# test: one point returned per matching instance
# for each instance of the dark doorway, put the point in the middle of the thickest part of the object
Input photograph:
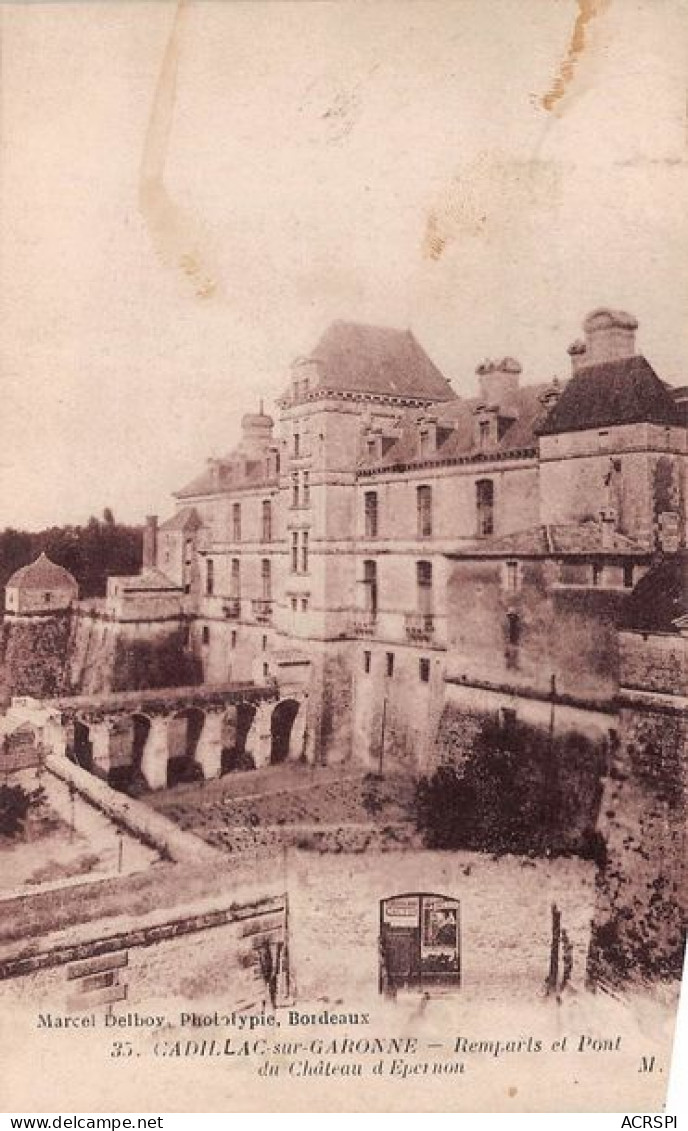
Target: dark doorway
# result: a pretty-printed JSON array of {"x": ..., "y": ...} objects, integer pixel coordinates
[
  {"x": 280, "y": 729},
  {"x": 129, "y": 779},
  {"x": 236, "y": 727},
  {"x": 184, "y": 733},
  {"x": 83, "y": 747},
  {"x": 142, "y": 725}
]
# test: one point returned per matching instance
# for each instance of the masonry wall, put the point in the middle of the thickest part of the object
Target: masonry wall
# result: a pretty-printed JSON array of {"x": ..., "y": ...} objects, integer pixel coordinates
[
  {"x": 34, "y": 656},
  {"x": 219, "y": 953},
  {"x": 642, "y": 897},
  {"x": 647, "y": 466},
  {"x": 568, "y": 632},
  {"x": 395, "y": 717}
]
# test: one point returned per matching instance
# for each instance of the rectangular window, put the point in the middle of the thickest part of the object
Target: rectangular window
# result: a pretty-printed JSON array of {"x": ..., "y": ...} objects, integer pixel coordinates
[
  {"x": 210, "y": 577},
  {"x": 205, "y": 634},
  {"x": 265, "y": 643},
  {"x": 266, "y": 671},
  {"x": 511, "y": 570},
  {"x": 424, "y": 511},
  {"x": 370, "y": 587},
  {"x": 424, "y": 443},
  {"x": 266, "y": 579},
  {"x": 235, "y": 579},
  {"x": 628, "y": 575},
  {"x": 294, "y": 604},
  {"x": 424, "y": 587},
  {"x": 233, "y": 641},
  {"x": 295, "y": 489},
  {"x": 304, "y": 552},
  {"x": 294, "y": 551},
  {"x": 236, "y": 522},
  {"x": 424, "y": 670},
  {"x": 267, "y": 521},
  {"x": 306, "y": 489},
  {"x": 389, "y": 664},
  {"x": 370, "y": 513},
  {"x": 597, "y": 574},
  {"x": 297, "y": 445},
  {"x": 366, "y": 662},
  {"x": 483, "y": 434},
  {"x": 484, "y": 493},
  {"x": 304, "y": 604}
]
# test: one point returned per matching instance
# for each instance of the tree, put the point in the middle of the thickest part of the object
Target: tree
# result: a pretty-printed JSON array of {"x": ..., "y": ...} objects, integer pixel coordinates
[
  {"x": 520, "y": 790},
  {"x": 15, "y": 805}
]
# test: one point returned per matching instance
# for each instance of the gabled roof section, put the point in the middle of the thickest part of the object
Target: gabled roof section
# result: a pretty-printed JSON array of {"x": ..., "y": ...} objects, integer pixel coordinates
[
  {"x": 186, "y": 519},
  {"x": 149, "y": 579},
  {"x": 357, "y": 358},
  {"x": 457, "y": 434},
  {"x": 559, "y": 540},
  {"x": 626, "y": 391}
]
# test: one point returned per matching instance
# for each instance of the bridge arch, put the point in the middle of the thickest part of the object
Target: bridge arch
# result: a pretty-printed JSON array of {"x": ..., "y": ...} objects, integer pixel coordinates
[
  {"x": 282, "y": 731},
  {"x": 237, "y": 723},
  {"x": 141, "y": 727},
  {"x": 184, "y": 730}
]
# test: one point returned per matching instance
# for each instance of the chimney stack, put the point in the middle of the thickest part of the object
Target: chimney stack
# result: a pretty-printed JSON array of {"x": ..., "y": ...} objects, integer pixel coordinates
[
  {"x": 256, "y": 433},
  {"x": 577, "y": 353},
  {"x": 498, "y": 380},
  {"x": 150, "y": 541},
  {"x": 609, "y": 336}
]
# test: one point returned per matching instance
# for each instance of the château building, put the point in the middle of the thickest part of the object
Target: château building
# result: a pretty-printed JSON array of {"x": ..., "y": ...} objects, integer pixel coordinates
[{"x": 393, "y": 549}]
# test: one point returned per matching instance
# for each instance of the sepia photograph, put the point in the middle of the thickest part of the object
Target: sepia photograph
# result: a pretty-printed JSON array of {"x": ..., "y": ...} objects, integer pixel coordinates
[{"x": 343, "y": 561}]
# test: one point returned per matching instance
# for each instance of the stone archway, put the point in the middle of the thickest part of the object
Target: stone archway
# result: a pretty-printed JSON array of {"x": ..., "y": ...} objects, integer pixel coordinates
[
  {"x": 82, "y": 748},
  {"x": 236, "y": 725},
  {"x": 281, "y": 727},
  {"x": 184, "y": 732}
]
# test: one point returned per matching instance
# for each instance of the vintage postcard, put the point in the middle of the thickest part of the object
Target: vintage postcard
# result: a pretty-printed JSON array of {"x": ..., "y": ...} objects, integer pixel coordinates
[{"x": 344, "y": 638}]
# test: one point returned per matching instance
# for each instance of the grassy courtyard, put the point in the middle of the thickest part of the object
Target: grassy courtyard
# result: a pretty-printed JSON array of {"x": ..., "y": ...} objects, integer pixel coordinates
[{"x": 330, "y": 807}]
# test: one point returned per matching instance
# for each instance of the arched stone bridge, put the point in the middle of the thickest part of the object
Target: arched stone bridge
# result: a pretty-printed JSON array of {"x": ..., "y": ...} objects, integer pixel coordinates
[{"x": 172, "y": 734}]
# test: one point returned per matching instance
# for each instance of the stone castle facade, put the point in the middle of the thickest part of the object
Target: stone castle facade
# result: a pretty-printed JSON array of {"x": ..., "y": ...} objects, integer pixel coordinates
[
  {"x": 392, "y": 549},
  {"x": 391, "y": 564}
]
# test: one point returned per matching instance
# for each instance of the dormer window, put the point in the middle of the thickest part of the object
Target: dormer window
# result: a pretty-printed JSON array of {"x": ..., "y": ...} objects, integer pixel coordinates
[
  {"x": 483, "y": 435},
  {"x": 427, "y": 439}
]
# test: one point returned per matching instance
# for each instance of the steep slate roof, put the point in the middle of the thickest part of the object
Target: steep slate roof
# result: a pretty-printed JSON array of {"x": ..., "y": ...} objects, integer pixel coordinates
[
  {"x": 627, "y": 391},
  {"x": 352, "y": 357},
  {"x": 234, "y": 473},
  {"x": 661, "y": 596},
  {"x": 459, "y": 416},
  {"x": 559, "y": 540},
  {"x": 185, "y": 519},
  {"x": 42, "y": 574}
]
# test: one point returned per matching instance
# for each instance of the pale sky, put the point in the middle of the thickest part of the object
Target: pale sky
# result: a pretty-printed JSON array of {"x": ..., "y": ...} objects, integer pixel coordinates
[{"x": 313, "y": 157}]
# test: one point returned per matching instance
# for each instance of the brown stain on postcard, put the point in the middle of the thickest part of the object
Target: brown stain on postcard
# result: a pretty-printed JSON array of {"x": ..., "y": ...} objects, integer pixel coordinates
[
  {"x": 173, "y": 232},
  {"x": 587, "y": 11}
]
